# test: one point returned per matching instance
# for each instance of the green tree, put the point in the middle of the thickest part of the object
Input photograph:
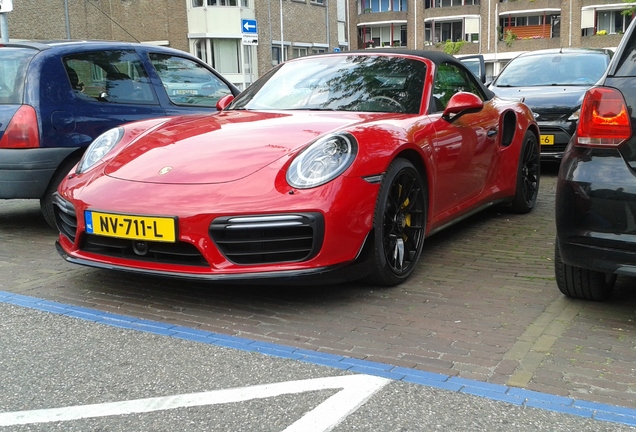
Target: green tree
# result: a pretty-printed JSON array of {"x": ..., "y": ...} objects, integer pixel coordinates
[
  {"x": 630, "y": 7},
  {"x": 453, "y": 48}
]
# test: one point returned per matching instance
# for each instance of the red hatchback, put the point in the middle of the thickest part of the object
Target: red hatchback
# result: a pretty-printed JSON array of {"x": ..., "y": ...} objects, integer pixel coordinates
[{"x": 328, "y": 168}]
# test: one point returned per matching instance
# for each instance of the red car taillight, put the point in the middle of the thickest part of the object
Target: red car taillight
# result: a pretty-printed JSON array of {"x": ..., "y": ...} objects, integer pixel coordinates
[
  {"x": 604, "y": 120},
  {"x": 22, "y": 131}
]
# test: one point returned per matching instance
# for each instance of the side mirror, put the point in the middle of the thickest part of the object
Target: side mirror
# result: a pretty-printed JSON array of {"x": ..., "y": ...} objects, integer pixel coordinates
[
  {"x": 462, "y": 103},
  {"x": 224, "y": 102}
]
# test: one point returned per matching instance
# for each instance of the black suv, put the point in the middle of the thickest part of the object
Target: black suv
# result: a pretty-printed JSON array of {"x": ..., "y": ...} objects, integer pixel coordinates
[
  {"x": 56, "y": 97},
  {"x": 596, "y": 187}
]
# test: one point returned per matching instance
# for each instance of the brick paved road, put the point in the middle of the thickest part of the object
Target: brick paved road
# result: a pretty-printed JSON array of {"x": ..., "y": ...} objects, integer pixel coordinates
[{"x": 483, "y": 305}]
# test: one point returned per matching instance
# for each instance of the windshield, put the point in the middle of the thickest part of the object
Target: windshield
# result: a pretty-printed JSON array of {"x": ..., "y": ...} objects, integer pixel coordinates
[
  {"x": 340, "y": 83},
  {"x": 583, "y": 69},
  {"x": 13, "y": 64}
]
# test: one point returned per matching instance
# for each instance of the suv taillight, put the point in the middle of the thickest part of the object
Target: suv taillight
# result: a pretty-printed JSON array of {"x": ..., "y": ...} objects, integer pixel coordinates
[
  {"x": 604, "y": 120},
  {"x": 22, "y": 130}
]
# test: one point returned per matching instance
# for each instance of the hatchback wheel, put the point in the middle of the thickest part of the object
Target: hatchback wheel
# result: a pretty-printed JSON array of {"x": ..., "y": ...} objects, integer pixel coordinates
[
  {"x": 46, "y": 202},
  {"x": 581, "y": 283}
]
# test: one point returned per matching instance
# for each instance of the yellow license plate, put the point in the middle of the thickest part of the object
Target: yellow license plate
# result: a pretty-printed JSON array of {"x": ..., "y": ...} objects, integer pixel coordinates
[
  {"x": 162, "y": 229},
  {"x": 546, "y": 139}
]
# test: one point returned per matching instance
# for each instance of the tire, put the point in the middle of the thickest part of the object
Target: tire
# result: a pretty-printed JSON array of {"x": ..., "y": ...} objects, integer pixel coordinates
[
  {"x": 581, "y": 283},
  {"x": 399, "y": 224},
  {"x": 46, "y": 202},
  {"x": 528, "y": 175}
]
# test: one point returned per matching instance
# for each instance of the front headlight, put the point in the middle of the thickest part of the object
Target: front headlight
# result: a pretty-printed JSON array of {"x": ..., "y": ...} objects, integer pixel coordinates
[
  {"x": 99, "y": 148},
  {"x": 322, "y": 161},
  {"x": 575, "y": 115}
]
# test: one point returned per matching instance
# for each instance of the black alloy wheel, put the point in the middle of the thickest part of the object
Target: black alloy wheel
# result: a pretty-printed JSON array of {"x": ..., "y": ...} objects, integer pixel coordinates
[
  {"x": 399, "y": 223},
  {"x": 528, "y": 175}
]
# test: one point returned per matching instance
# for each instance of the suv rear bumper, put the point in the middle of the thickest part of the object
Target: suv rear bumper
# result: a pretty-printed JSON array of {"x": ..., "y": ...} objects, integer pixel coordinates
[
  {"x": 25, "y": 173},
  {"x": 596, "y": 211},
  {"x": 598, "y": 257}
]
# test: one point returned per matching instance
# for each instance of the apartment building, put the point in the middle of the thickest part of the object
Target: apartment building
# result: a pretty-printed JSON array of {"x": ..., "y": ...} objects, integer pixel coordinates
[
  {"x": 498, "y": 29},
  {"x": 162, "y": 22},
  {"x": 211, "y": 29},
  {"x": 278, "y": 30}
]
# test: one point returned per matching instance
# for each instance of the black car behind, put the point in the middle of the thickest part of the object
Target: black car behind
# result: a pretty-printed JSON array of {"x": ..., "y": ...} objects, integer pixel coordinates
[
  {"x": 596, "y": 187},
  {"x": 552, "y": 83}
]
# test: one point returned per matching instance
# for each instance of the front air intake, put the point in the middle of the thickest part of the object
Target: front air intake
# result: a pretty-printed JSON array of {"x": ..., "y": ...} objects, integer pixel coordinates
[{"x": 268, "y": 239}]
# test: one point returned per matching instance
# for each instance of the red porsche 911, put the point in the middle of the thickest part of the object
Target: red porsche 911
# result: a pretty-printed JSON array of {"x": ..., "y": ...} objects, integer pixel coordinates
[{"x": 329, "y": 168}]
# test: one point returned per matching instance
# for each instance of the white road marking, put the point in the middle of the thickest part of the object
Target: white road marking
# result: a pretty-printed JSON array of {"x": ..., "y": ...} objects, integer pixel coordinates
[{"x": 356, "y": 390}]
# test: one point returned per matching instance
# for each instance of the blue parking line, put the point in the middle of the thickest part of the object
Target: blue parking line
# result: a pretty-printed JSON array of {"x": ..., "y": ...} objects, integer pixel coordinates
[{"x": 498, "y": 392}]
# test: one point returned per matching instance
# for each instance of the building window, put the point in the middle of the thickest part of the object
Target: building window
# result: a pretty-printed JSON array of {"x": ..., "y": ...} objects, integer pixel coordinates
[
  {"x": 299, "y": 52},
  {"x": 612, "y": 21},
  {"x": 521, "y": 21},
  {"x": 439, "y": 32},
  {"x": 320, "y": 2},
  {"x": 197, "y": 3},
  {"x": 373, "y": 6},
  {"x": 449, "y": 3},
  {"x": 222, "y": 2},
  {"x": 392, "y": 35},
  {"x": 530, "y": 26},
  {"x": 222, "y": 54},
  {"x": 278, "y": 55}
]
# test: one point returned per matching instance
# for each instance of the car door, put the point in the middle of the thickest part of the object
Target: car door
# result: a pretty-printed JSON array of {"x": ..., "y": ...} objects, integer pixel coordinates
[
  {"x": 107, "y": 88},
  {"x": 464, "y": 146}
]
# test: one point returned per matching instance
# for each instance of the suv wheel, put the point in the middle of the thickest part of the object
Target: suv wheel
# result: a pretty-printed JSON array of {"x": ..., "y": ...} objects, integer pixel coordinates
[{"x": 581, "y": 283}]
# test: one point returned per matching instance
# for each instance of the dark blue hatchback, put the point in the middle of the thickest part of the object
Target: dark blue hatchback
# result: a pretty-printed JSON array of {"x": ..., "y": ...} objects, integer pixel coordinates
[{"x": 56, "y": 97}]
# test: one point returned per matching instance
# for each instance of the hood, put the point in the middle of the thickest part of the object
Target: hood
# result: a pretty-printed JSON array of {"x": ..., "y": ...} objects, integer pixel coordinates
[
  {"x": 221, "y": 148},
  {"x": 555, "y": 99}
]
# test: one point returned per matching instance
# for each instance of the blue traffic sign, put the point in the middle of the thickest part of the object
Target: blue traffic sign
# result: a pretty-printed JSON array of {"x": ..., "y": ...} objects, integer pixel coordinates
[{"x": 248, "y": 26}]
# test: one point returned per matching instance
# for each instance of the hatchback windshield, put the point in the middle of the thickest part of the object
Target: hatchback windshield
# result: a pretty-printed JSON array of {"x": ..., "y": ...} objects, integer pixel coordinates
[
  {"x": 553, "y": 70},
  {"x": 340, "y": 83},
  {"x": 13, "y": 64}
]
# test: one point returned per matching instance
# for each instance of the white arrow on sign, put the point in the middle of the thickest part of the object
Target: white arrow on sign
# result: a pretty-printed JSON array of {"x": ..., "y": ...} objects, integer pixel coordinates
[
  {"x": 247, "y": 26},
  {"x": 356, "y": 390}
]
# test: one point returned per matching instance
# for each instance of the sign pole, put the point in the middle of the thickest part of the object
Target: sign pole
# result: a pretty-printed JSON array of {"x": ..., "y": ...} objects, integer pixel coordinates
[
  {"x": 4, "y": 28},
  {"x": 5, "y": 6},
  {"x": 282, "y": 46},
  {"x": 249, "y": 28}
]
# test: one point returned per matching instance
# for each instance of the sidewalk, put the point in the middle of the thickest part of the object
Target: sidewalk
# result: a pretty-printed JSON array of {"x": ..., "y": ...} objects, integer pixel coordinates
[
  {"x": 483, "y": 306},
  {"x": 78, "y": 369}
]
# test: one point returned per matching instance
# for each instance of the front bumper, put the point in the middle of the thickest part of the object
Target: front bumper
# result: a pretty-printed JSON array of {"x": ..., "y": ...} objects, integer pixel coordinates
[
  {"x": 332, "y": 229},
  {"x": 310, "y": 276},
  {"x": 560, "y": 132}
]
